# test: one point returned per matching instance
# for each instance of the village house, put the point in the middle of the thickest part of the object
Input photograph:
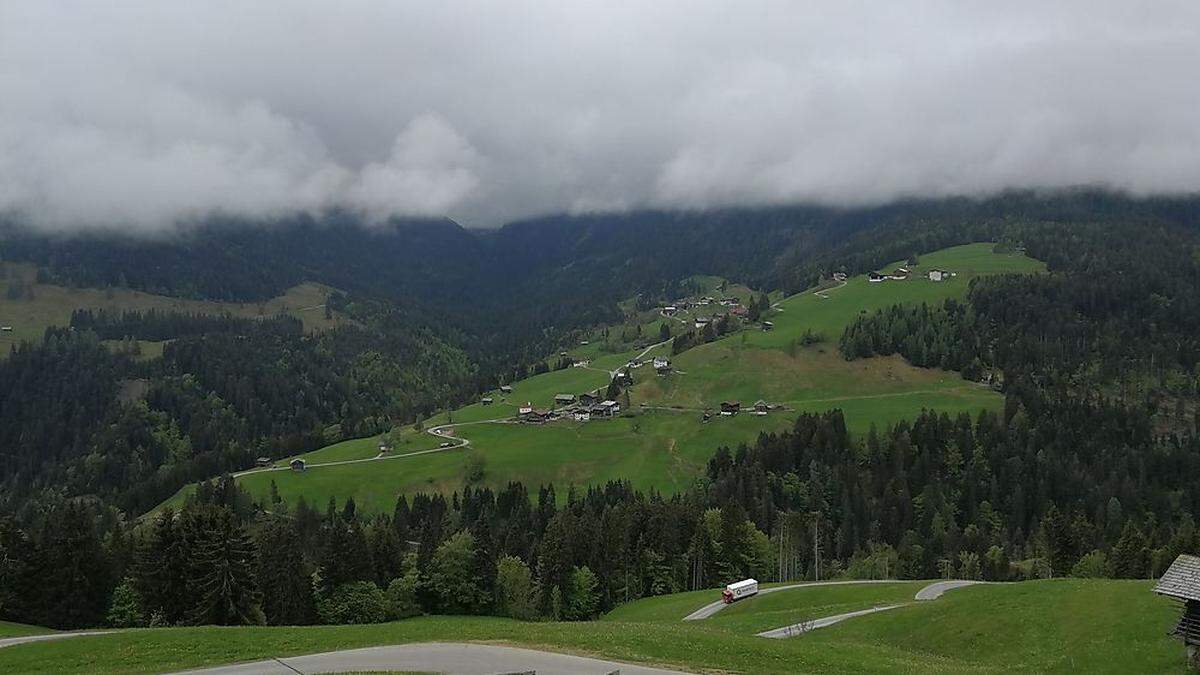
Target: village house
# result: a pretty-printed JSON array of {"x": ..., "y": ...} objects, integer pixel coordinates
[
  {"x": 623, "y": 379},
  {"x": 6, "y": 329},
  {"x": 839, "y": 276},
  {"x": 564, "y": 399},
  {"x": 875, "y": 277},
  {"x": 730, "y": 408},
  {"x": 739, "y": 310},
  {"x": 297, "y": 465},
  {"x": 937, "y": 275},
  {"x": 486, "y": 400},
  {"x": 526, "y": 409},
  {"x": 701, "y": 321},
  {"x": 661, "y": 362},
  {"x": 761, "y": 407},
  {"x": 263, "y": 461},
  {"x": 669, "y": 310},
  {"x": 505, "y": 389},
  {"x": 588, "y": 399},
  {"x": 583, "y": 415},
  {"x": 768, "y": 326},
  {"x": 610, "y": 408}
]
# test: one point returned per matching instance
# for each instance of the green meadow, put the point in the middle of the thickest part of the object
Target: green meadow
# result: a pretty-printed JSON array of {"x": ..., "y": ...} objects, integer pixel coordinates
[
  {"x": 665, "y": 445},
  {"x": 1067, "y": 625}
]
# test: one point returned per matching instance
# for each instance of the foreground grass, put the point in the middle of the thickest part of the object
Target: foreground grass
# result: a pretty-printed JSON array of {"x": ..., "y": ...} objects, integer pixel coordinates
[{"x": 1049, "y": 626}]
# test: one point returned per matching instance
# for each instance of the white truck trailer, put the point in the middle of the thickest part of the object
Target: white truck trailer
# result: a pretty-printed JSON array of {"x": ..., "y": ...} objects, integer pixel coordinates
[{"x": 739, "y": 589}]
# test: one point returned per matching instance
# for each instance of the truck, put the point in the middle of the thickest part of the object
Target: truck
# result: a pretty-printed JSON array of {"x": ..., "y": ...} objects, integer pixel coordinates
[{"x": 738, "y": 590}]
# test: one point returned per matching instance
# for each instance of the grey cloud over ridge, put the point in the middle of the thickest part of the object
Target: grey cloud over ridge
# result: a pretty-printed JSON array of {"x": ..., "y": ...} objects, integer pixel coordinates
[{"x": 141, "y": 114}]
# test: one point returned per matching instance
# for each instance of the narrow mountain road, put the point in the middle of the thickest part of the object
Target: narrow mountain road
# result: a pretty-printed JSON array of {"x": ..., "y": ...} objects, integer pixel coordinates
[
  {"x": 824, "y": 292},
  {"x": 805, "y": 626},
  {"x": 441, "y": 431},
  {"x": 933, "y": 591},
  {"x": 928, "y": 593},
  {"x": 25, "y": 639},
  {"x": 714, "y": 607},
  {"x": 436, "y": 657}
]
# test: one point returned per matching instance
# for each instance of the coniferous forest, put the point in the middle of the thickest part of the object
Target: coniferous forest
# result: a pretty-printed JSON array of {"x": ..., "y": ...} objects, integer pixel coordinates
[{"x": 1089, "y": 470}]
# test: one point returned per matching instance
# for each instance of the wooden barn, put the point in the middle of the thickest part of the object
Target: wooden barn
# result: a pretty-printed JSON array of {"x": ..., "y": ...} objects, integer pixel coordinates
[{"x": 1182, "y": 582}]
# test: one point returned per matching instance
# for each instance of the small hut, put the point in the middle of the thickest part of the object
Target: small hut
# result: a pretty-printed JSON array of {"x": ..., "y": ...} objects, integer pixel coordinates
[
  {"x": 297, "y": 465},
  {"x": 1182, "y": 582}
]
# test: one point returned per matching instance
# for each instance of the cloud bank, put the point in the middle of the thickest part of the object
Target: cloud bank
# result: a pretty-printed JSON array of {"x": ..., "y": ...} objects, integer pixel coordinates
[{"x": 142, "y": 114}]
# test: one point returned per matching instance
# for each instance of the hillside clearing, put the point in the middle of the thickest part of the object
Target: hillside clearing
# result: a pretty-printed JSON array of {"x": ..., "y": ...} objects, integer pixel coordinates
[{"x": 666, "y": 445}]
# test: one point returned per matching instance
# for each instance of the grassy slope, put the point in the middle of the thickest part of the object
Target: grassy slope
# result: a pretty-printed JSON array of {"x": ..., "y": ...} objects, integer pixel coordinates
[
  {"x": 784, "y": 608},
  {"x": 662, "y": 449},
  {"x": 1050, "y": 626},
  {"x": 9, "y": 629},
  {"x": 52, "y": 305}
]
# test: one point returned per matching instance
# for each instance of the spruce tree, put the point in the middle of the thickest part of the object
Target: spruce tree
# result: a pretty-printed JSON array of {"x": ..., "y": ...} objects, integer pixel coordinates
[
  {"x": 223, "y": 575},
  {"x": 282, "y": 575}
]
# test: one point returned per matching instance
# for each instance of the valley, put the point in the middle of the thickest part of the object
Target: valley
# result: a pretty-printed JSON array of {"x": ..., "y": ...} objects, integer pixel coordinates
[{"x": 660, "y": 441}]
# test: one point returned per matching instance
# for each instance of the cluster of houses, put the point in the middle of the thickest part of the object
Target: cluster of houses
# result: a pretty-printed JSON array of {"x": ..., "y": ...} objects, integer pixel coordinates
[
  {"x": 583, "y": 407},
  {"x": 902, "y": 273},
  {"x": 731, "y": 408},
  {"x": 734, "y": 306}
]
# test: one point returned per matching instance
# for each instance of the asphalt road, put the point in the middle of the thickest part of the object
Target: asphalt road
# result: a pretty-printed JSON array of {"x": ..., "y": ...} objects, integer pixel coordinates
[
  {"x": 437, "y": 657},
  {"x": 11, "y": 642},
  {"x": 714, "y": 607},
  {"x": 800, "y": 628}
]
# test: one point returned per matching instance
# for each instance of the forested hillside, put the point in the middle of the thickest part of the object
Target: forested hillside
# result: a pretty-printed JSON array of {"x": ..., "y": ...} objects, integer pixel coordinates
[{"x": 1087, "y": 470}]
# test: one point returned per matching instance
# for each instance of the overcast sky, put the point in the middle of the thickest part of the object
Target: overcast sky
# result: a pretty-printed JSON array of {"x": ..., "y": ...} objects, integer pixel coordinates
[{"x": 139, "y": 115}]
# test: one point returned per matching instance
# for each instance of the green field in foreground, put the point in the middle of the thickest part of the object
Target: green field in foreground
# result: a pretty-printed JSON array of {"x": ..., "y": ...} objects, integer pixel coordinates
[
  {"x": 1045, "y": 626},
  {"x": 666, "y": 450}
]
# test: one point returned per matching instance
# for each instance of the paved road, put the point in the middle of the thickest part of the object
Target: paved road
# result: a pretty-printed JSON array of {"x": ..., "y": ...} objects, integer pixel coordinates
[
  {"x": 439, "y": 657},
  {"x": 12, "y": 642},
  {"x": 935, "y": 590},
  {"x": 712, "y": 608},
  {"x": 441, "y": 431},
  {"x": 805, "y": 626},
  {"x": 931, "y": 592}
]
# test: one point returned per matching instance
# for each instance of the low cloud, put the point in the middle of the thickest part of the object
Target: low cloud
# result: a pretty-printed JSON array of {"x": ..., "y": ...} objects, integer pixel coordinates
[{"x": 142, "y": 115}]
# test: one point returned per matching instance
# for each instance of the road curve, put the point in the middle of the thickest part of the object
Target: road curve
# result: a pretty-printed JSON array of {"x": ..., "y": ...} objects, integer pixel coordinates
[
  {"x": 931, "y": 592},
  {"x": 805, "y": 626},
  {"x": 438, "y": 657},
  {"x": 714, "y": 607},
  {"x": 936, "y": 590}
]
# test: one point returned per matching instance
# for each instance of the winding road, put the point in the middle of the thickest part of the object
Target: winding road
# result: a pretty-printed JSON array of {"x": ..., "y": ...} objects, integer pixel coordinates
[{"x": 932, "y": 591}]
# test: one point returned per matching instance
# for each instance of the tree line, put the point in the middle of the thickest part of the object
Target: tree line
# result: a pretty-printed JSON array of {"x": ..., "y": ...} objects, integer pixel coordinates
[{"x": 1052, "y": 486}]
